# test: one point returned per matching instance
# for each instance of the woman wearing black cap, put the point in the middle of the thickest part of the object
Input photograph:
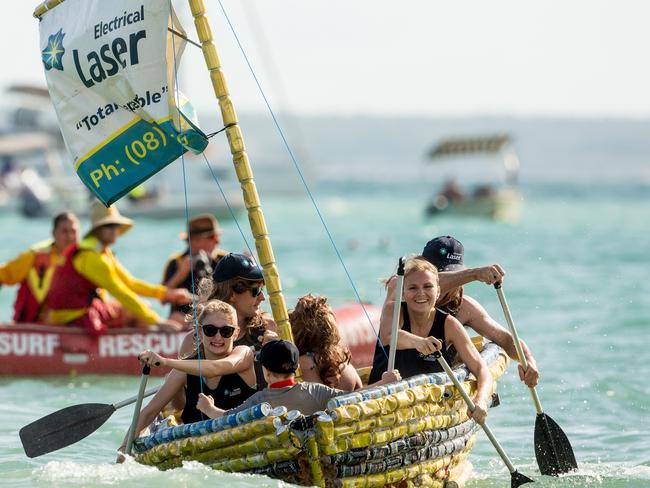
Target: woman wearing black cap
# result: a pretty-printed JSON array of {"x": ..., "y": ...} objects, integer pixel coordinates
[
  {"x": 238, "y": 280},
  {"x": 423, "y": 329}
]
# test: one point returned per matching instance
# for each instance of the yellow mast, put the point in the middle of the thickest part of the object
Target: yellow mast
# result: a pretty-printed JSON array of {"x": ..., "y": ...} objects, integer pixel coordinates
[
  {"x": 240, "y": 161},
  {"x": 243, "y": 170}
]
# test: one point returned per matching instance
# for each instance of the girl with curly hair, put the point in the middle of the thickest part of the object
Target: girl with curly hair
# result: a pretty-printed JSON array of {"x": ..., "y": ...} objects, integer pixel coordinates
[{"x": 323, "y": 358}]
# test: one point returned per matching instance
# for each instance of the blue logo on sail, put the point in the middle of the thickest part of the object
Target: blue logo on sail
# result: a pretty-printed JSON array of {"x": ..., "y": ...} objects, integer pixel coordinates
[{"x": 54, "y": 51}]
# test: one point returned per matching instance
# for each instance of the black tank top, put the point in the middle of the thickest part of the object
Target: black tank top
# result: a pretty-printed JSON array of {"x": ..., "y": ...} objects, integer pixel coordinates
[
  {"x": 250, "y": 340},
  {"x": 231, "y": 392},
  {"x": 410, "y": 362}
]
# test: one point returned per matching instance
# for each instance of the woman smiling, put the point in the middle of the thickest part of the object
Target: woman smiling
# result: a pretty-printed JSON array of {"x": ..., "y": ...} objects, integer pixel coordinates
[
  {"x": 423, "y": 329},
  {"x": 227, "y": 372}
]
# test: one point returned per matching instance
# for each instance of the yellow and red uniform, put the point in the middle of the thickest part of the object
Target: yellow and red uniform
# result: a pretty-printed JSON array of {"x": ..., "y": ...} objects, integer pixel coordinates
[
  {"x": 34, "y": 270},
  {"x": 89, "y": 271}
]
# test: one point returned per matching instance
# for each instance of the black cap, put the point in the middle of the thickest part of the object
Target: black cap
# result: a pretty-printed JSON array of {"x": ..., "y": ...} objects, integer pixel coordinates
[
  {"x": 279, "y": 356},
  {"x": 445, "y": 253},
  {"x": 237, "y": 266}
]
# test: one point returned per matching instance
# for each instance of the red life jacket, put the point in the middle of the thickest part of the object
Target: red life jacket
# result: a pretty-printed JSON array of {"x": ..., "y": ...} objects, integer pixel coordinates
[
  {"x": 69, "y": 289},
  {"x": 34, "y": 288}
]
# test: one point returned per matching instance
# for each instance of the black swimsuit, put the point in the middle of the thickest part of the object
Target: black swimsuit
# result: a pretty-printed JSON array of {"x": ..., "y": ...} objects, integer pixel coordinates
[
  {"x": 410, "y": 362},
  {"x": 231, "y": 392}
]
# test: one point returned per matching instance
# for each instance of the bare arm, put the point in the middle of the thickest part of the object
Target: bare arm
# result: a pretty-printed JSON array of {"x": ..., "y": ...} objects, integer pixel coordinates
[
  {"x": 206, "y": 405},
  {"x": 179, "y": 275},
  {"x": 350, "y": 379},
  {"x": 489, "y": 274},
  {"x": 238, "y": 361},
  {"x": 424, "y": 345},
  {"x": 174, "y": 382},
  {"x": 473, "y": 314},
  {"x": 269, "y": 323},
  {"x": 456, "y": 335}
]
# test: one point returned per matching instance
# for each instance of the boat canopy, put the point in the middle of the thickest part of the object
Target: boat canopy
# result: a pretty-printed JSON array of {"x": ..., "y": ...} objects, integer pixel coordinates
[{"x": 466, "y": 145}]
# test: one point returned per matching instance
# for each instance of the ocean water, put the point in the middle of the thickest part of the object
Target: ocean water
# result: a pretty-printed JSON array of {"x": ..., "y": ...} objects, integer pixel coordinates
[{"x": 577, "y": 265}]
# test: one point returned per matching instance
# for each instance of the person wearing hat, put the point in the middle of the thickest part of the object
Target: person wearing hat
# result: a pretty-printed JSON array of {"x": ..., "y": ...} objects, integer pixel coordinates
[
  {"x": 78, "y": 292},
  {"x": 279, "y": 360},
  {"x": 34, "y": 268},
  {"x": 424, "y": 329},
  {"x": 446, "y": 254},
  {"x": 198, "y": 260},
  {"x": 238, "y": 280}
]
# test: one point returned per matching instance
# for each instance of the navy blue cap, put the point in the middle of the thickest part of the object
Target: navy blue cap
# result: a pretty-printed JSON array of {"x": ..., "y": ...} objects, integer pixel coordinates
[
  {"x": 279, "y": 356},
  {"x": 237, "y": 266},
  {"x": 445, "y": 253}
]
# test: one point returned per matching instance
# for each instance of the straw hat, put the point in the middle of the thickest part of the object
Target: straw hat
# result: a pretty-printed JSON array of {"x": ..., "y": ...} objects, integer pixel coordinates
[
  {"x": 202, "y": 225},
  {"x": 101, "y": 215}
]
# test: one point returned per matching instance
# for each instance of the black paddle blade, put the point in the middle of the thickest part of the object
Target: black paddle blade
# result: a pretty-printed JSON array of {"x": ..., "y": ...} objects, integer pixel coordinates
[
  {"x": 63, "y": 427},
  {"x": 552, "y": 448},
  {"x": 518, "y": 479}
]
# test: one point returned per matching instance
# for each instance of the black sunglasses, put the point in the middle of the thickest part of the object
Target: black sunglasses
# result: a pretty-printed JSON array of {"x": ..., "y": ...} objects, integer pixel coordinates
[
  {"x": 211, "y": 330},
  {"x": 256, "y": 291}
]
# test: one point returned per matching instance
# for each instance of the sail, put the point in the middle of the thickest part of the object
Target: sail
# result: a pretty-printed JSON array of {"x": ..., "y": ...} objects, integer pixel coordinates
[{"x": 110, "y": 73}]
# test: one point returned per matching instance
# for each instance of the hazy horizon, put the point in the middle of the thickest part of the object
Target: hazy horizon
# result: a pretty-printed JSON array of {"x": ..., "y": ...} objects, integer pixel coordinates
[{"x": 437, "y": 59}]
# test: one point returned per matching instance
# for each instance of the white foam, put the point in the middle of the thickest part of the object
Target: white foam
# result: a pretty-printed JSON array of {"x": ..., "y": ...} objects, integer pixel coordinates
[{"x": 130, "y": 473}]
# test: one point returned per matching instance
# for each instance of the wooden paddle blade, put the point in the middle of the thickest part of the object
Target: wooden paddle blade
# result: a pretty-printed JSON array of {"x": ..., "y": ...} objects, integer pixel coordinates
[
  {"x": 518, "y": 479},
  {"x": 552, "y": 448},
  {"x": 63, "y": 427}
]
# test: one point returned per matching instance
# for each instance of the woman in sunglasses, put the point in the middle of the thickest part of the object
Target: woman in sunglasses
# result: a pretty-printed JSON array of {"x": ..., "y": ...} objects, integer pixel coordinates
[
  {"x": 238, "y": 280},
  {"x": 226, "y": 370}
]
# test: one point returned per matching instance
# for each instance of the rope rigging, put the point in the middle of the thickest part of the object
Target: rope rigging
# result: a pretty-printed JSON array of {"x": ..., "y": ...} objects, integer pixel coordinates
[{"x": 296, "y": 165}]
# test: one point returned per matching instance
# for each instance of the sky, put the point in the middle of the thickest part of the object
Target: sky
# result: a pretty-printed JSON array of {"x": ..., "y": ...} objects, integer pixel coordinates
[{"x": 579, "y": 58}]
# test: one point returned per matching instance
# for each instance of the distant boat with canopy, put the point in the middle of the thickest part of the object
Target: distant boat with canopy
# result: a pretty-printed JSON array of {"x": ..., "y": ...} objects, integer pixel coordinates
[{"x": 480, "y": 178}]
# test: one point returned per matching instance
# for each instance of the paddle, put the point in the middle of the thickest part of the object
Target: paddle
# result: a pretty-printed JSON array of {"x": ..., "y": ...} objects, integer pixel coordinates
[
  {"x": 399, "y": 285},
  {"x": 136, "y": 410},
  {"x": 552, "y": 447},
  {"x": 69, "y": 425},
  {"x": 516, "y": 478}
]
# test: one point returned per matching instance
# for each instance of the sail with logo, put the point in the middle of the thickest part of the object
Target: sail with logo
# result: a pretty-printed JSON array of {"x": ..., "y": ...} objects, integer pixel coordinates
[{"x": 110, "y": 70}]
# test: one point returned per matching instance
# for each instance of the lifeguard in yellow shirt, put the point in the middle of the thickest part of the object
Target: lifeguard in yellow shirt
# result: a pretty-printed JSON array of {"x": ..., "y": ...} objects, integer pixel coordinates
[
  {"x": 34, "y": 269},
  {"x": 78, "y": 292}
]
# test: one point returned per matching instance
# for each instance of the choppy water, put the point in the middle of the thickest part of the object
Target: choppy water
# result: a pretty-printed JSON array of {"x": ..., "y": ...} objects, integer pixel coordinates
[{"x": 577, "y": 286}]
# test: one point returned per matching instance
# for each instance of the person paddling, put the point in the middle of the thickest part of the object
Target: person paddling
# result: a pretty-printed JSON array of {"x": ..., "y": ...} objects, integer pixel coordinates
[
  {"x": 446, "y": 254},
  {"x": 217, "y": 368},
  {"x": 423, "y": 329}
]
